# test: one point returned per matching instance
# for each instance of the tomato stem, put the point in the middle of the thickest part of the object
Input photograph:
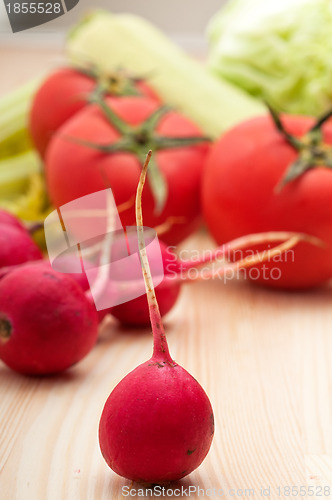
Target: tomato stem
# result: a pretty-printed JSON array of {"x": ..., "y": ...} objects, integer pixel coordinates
[
  {"x": 137, "y": 139},
  {"x": 312, "y": 151},
  {"x": 116, "y": 82},
  {"x": 153, "y": 120},
  {"x": 280, "y": 127},
  {"x": 117, "y": 122},
  {"x": 321, "y": 121}
]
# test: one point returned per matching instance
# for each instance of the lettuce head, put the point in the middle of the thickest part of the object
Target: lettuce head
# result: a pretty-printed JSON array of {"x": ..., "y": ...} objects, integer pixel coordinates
[{"x": 277, "y": 50}]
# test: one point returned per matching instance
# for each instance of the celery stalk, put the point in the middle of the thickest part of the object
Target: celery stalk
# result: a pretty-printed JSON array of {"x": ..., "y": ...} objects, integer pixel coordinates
[
  {"x": 15, "y": 173},
  {"x": 14, "y": 110},
  {"x": 32, "y": 205},
  {"x": 22, "y": 187},
  {"x": 124, "y": 40}
]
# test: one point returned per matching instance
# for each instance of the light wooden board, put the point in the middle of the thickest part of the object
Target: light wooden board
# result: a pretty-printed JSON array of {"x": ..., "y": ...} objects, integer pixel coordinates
[{"x": 264, "y": 358}]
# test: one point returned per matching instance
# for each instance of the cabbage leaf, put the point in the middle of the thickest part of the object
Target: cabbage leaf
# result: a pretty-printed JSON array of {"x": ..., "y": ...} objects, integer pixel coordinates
[{"x": 277, "y": 50}]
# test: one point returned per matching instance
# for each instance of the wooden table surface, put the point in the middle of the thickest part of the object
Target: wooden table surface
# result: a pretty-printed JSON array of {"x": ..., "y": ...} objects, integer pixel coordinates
[{"x": 264, "y": 358}]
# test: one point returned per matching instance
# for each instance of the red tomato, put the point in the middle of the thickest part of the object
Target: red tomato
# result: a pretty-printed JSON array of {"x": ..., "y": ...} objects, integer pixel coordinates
[
  {"x": 64, "y": 93},
  {"x": 239, "y": 197},
  {"x": 74, "y": 170}
]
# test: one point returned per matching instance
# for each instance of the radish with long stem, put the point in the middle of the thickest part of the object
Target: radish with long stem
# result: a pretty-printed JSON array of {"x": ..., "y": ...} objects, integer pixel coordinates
[{"x": 157, "y": 425}]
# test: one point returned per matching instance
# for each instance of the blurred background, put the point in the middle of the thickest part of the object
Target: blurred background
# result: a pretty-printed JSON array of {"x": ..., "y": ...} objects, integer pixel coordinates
[{"x": 184, "y": 21}]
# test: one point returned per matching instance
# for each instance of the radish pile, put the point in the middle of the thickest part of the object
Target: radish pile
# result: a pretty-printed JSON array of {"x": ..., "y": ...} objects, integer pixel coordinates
[
  {"x": 263, "y": 188},
  {"x": 48, "y": 323},
  {"x": 48, "y": 320}
]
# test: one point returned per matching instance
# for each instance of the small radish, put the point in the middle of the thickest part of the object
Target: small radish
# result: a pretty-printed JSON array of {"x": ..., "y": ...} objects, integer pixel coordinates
[
  {"x": 16, "y": 246},
  {"x": 80, "y": 278},
  {"x": 29, "y": 227},
  {"x": 157, "y": 425},
  {"x": 136, "y": 311},
  {"x": 46, "y": 322}
]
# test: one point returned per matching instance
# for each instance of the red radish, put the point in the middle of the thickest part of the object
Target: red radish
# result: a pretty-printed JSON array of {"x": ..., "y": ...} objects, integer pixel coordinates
[
  {"x": 80, "y": 278},
  {"x": 12, "y": 220},
  {"x": 68, "y": 90},
  {"x": 8, "y": 218},
  {"x": 136, "y": 311},
  {"x": 16, "y": 246},
  {"x": 82, "y": 281},
  {"x": 46, "y": 322},
  {"x": 157, "y": 425}
]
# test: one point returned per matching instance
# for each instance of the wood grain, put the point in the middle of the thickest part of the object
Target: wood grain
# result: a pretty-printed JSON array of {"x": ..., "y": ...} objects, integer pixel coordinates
[{"x": 264, "y": 358}]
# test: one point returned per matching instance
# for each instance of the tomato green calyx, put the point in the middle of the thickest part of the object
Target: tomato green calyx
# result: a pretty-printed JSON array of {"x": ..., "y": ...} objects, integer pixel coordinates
[
  {"x": 117, "y": 82},
  {"x": 137, "y": 140},
  {"x": 311, "y": 148},
  {"x": 293, "y": 141},
  {"x": 5, "y": 329}
]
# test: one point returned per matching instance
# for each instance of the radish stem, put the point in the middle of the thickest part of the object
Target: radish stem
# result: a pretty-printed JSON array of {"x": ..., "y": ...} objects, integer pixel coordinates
[
  {"x": 169, "y": 223},
  {"x": 258, "y": 258},
  {"x": 248, "y": 261},
  {"x": 246, "y": 241}
]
